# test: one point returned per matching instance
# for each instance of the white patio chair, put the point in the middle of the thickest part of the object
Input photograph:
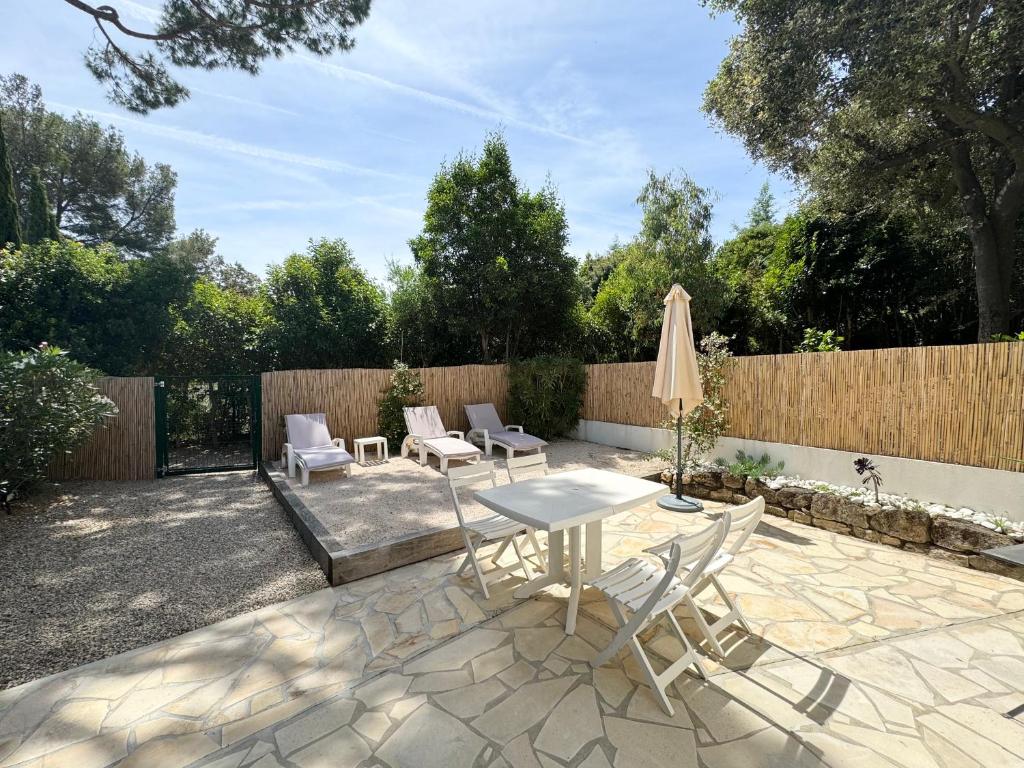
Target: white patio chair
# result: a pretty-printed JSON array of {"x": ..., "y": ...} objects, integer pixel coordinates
[
  {"x": 493, "y": 528},
  {"x": 743, "y": 520},
  {"x": 486, "y": 428},
  {"x": 650, "y": 592},
  {"x": 309, "y": 446},
  {"x": 520, "y": 466},
  {"x": 428, "y": 435}
]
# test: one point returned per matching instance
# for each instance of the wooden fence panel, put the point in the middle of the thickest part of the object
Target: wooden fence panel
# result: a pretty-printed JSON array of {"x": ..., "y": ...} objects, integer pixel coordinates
[
  {"x": 349, "y": 397},
  {"x": 125, "y": 447},
  {"x": 960, "y": 405}
]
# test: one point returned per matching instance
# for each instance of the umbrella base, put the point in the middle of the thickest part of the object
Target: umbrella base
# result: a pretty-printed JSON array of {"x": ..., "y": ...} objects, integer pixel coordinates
[{"x": 685, "y": 504}]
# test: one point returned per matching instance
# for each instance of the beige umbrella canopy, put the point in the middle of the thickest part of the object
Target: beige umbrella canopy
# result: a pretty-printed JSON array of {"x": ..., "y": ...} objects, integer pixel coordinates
[
  {"x": 677, "y": 383},
  {"x": 676, "y": 378}
]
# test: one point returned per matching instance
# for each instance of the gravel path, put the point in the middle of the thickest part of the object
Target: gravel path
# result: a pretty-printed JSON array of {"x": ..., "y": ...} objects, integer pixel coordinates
[{"x": 94, "y": 569}]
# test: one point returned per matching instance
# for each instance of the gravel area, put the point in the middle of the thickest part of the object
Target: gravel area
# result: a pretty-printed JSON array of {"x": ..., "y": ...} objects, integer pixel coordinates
[
  {"x": 94, "y": 569},
  {"x": 384, "y": 501}
]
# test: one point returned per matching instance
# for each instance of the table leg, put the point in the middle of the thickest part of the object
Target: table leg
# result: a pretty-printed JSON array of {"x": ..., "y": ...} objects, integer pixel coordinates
[
  {"x": 593, "y": 559},
  {"x": 387, "y": 455},
  {"x": 574, "y": 580},
  {"x": 556, "y": 567}
]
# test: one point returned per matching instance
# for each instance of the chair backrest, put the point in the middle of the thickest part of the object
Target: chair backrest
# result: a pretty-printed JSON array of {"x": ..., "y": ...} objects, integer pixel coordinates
[
  {"x": 518, "y": 466},
  {"x": 744, "y": 520},
  {"x": 471, "y": 474},
  {"x": 307, "y": 430},
  {"x": 484, "y": 416},
  {"x": 424, "y": 420},
  {"x": 702, "y": 546}
]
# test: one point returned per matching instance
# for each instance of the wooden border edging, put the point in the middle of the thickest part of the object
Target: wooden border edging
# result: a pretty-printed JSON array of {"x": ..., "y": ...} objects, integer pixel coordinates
[{"x": 344, "y": 565}]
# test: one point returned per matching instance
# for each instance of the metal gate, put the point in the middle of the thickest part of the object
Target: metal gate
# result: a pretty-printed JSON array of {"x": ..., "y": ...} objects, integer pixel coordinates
[{"x": 207, "y": 425}]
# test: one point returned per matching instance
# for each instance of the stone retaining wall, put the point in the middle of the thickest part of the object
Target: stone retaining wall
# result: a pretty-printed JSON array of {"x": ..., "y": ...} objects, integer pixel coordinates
[{"x": 958, "y": 541}]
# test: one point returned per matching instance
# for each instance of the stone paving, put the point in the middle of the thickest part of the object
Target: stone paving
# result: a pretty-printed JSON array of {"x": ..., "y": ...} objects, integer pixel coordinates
[{"x": 861, "y": 655}]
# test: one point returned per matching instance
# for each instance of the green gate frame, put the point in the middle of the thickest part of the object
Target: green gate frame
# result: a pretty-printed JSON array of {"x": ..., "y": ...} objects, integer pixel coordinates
[{"x": 163, "y": 468}]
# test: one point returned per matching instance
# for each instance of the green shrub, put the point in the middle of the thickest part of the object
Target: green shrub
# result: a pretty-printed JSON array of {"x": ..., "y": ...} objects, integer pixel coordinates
[
  {"x": 746, "y": 465},
  {"x": 820, "y": 341},
  {"x": 405, "y": 389},
  {"x": 49, "y": 404},
  {"x": 545, "y": 394}
]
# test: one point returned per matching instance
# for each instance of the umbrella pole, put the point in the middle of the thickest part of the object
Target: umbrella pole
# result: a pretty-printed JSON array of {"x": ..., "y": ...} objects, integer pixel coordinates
[{"x": 679, "y": 452}]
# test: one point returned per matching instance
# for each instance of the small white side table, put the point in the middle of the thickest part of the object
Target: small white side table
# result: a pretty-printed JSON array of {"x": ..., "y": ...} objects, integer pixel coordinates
[{"x": 380, "y": 443}]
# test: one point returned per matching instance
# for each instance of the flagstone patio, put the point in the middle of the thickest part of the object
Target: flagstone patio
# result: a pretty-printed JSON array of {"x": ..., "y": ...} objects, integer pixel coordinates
[{"x": 861, "y": 655}]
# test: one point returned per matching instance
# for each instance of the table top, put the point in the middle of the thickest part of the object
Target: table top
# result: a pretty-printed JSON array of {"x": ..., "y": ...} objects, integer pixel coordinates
[{"x": 569, "y": 499}]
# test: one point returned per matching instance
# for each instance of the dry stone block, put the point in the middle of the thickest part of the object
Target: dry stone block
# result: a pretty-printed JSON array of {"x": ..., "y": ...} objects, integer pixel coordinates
[
  {"x": 831, "y": 525},
  {"x": 710, "y": 479},
  {"x": 798, "y": 516},
  {"x": 794, "y": 497},
  {"x": 990, "y": 565},
  {"x": 720, "y": 494},
  {"x": 956, "y": 558},
  {"x": 965, "y": 536},
  {"x": 828, "y": 506},
  {"x": 736, "y": 482},
  {"x": 904, "y": 524},
  {"x": 739, "y": 498},
  {"x": 874, "y": 536},
  {"x": 773, "y": 510}
]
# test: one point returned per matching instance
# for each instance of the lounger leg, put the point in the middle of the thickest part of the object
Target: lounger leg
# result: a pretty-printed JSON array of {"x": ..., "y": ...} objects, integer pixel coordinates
[
  {"x": 305, "y": 475},
  {"x": 444, "y": 466}
]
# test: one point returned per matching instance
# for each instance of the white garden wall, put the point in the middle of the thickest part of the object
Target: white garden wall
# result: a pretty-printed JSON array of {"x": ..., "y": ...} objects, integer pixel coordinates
[{"x": 984, "y": 490}]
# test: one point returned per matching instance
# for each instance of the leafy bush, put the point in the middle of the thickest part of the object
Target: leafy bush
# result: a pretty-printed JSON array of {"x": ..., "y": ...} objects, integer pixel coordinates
[
  {"x": 49, "y": 404},
  {"x": 545, "y": 394},
  {"x": 405, "y": 389},
  {"x": 820, "y": 341},
  {"x": 704, "y": 424},
  {"x": 747, "y": 465}
]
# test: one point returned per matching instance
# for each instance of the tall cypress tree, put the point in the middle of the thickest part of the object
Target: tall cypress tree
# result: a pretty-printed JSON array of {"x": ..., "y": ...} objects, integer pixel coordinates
[
  {"x": 10, "y": 228},
  {"x": 40, "y": 223}
]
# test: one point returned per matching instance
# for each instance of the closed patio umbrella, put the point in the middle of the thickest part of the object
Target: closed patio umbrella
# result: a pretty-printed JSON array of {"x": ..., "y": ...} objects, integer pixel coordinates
[{"x": 677, "y": 383}]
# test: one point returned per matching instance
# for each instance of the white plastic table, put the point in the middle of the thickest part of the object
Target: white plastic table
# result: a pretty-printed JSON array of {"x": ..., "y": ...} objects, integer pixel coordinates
[
  {"x": 569, "y": 501},
  {"x": 380, "y": 443}
]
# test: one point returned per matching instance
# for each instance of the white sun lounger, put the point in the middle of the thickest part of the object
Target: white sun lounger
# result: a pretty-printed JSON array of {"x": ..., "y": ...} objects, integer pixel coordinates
[
  {"x": 487, "y": 428},
  {"x": 428, "y": 435},
  {"x": 309, "y": 446}
]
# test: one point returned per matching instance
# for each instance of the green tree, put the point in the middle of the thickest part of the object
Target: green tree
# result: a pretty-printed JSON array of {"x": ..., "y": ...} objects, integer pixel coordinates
[
  {"x": 674, "y": 246},
  {"x": 218, "y": 331},
  {"x": 405, "y": 390},
  {"x": 324, "y": 311},
  {"x": 494, "y": 257},
  {"x": 40, "y": 223},
  {"x": 100, "y": 191},
  {"x": 413, "y": 315},
  {"x": 763, "y": 211},
  {"x": 10, "y": 226},
  {"x": 210, "y": 34},
  {"x": 199, "y": 249},
  {"x": 918, "y": 104},
  {"x": 111, "y": 314}
]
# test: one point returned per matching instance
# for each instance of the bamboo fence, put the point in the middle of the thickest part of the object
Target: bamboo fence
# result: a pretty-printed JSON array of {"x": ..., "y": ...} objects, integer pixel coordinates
[
  {"x": 349, "y": 397},
  {"x": 960, "y": 405},
  {"x": 124, "y": 448}
]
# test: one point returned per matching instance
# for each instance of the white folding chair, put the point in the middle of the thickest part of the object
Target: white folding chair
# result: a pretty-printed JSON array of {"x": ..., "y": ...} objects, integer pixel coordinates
[
  {"x": 650, "y": 592},
  {"x": 744, "y": 520},
  {"x": 519, "y": 467},
  {"x": 494, "y": 528}
]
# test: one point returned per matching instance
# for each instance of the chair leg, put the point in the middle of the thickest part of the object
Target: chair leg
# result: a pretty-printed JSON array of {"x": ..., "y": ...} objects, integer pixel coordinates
[
  {"x": 657, "y": 688},
  {"x": 734, "y": 611},
  {"x": 465, "y": 564},
  {"x": 536, "y": 549},
  {"x": 688, "y": 650},
  {"x": 471, "y": 555},
  {"x": 522, "y": 560},
  {"x": 695, "y": 613},
  {"x": 501, "y": 550}
]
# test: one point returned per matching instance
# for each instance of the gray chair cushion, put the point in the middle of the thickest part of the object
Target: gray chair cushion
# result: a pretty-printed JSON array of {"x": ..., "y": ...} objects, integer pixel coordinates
[
  {"x": 324, "y": 458},
  {"x": 517, "y": 440}
]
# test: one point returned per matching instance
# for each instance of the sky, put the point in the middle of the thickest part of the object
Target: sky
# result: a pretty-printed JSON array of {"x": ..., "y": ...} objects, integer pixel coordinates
[{"x": 589, "y": 94}]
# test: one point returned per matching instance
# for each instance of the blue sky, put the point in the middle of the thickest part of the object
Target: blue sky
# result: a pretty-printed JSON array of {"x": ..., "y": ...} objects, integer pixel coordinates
[{"x": 591, "y": 94}]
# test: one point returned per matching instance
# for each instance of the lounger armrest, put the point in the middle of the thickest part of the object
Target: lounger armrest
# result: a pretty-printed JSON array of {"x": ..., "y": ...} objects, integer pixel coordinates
[
  {"x": 481, "y": 433},
  {"x": 456, "y": 433},
  {"x": 514, "y": 428},
  {"x": 339, "y": 442},
  {"x": 409, "y": 442}
]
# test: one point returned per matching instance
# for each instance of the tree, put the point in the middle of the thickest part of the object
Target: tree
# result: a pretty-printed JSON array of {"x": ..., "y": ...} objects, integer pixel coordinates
[
  {"x": 763, "y": 211},
  {"x": 10, "y": 226},
  {"x": 324, "y": 311},
  {"x": 494, "y": 257},
  {"x": 40, "y": 223},
  {"x": 199, "y": 249},
  {"x": 100, "y": 191},
  {"x": 210, "y": 34},
  {"x": 674, "y": 246},
  {"x": 918, "y": 103},
  {"x": 111, "y": 314}
]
